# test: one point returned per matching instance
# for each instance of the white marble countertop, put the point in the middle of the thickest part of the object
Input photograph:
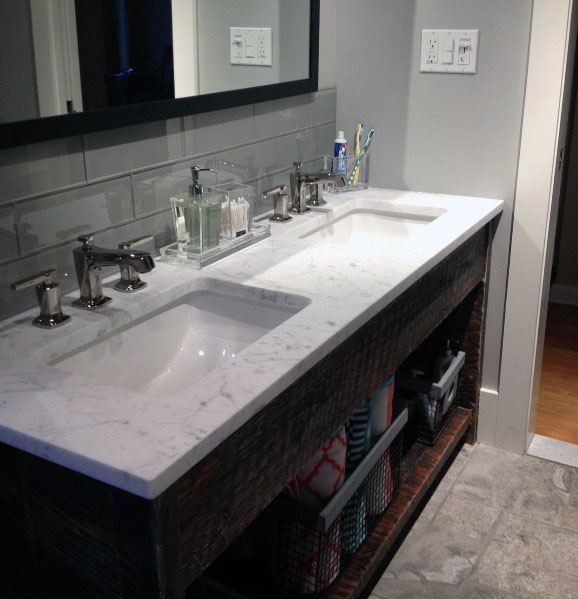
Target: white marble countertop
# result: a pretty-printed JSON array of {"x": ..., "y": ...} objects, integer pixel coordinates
[{"x": 143, "y": 444}]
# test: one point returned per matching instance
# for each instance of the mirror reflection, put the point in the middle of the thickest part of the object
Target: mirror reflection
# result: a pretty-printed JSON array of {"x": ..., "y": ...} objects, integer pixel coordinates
[{"x": 64, "y": 56}]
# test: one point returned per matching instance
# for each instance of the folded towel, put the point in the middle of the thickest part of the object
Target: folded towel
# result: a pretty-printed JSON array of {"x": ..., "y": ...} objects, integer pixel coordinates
[
  {"x": 382, "y": 407},
  {"x": 322, "y": 475},
  {"x": 354, "y": 522},
  {"x": 308, "y": 561},
  {"x": 379, "y": 484},
  {"x": 354, "y": 516},
  {"x": 358, "y": 436}
]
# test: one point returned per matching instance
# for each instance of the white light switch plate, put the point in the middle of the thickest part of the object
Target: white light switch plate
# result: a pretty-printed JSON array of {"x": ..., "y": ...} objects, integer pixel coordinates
[
  {"x": 252, "y": 46},
  {"x": 449, "y": 50}
]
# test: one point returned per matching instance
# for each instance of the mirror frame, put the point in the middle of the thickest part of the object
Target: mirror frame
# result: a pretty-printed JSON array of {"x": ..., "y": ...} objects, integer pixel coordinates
[{"x": 69, "y": 125}]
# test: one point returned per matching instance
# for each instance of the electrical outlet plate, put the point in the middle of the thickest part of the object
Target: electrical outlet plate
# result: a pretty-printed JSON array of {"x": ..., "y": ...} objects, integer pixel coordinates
[
  {"x": 251, "y": 46},
  {"x": 449, "y": 50}
]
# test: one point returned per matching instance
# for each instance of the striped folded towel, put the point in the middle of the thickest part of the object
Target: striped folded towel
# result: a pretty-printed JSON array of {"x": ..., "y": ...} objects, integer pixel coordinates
[
  {"x": 354, "y": 517},
  {"x": 323, "y": 474}
]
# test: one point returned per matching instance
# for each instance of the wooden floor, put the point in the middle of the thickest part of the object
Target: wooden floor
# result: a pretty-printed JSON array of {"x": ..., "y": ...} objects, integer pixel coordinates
[{"x": 557, "y": 416}]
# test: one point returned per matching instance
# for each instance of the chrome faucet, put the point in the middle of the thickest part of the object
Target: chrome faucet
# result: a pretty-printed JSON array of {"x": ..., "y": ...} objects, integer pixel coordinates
[
  {"x": 301, "y": 182},
  {"x": 88, "y": 260}
]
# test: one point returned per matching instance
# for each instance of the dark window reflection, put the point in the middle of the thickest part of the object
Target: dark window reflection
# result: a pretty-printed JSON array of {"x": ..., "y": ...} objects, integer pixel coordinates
[{"x": 126, "y": 51}]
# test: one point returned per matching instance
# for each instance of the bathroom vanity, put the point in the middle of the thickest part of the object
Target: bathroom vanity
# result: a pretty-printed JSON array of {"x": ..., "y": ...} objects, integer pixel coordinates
[{"x": 137, "y": 443}]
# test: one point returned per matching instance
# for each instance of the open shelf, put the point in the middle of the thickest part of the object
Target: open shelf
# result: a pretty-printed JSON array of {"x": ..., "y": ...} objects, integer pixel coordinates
[{"x": 424, "y": 464}]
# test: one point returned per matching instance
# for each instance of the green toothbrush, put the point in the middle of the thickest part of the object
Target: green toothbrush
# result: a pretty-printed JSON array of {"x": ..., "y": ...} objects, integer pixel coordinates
[{"x": 359, "y": 157}]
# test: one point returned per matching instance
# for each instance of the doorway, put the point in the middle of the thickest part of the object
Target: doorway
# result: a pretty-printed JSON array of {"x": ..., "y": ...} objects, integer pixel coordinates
[{"x": 556, "y": 425}]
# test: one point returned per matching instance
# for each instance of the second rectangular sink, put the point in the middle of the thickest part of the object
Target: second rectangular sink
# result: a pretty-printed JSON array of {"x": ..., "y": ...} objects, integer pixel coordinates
[
  {"x": 173, "y": 348},
  {"x": 370, "y": 227}
]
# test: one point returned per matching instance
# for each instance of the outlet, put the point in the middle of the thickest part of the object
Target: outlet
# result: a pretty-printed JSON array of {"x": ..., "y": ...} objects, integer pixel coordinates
[{"x": 432, "y": 57}]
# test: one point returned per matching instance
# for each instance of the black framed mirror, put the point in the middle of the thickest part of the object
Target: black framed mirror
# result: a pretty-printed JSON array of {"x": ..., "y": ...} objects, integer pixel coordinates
[{"x": 69, "y": 67}]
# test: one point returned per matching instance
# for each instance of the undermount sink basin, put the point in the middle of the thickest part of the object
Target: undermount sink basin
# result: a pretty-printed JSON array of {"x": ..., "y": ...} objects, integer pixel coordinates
[
  {"x": 173, "y": 348},
  {"x": 368, "y": 227}
]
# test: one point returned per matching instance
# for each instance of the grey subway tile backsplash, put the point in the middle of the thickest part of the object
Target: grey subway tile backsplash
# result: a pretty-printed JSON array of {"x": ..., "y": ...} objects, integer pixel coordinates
[
  {"x": 218, "y": 130},
  {"x": 40, "y": 168},
  {"x": 324, "y": 139},
  {"x": 152, "y": 189},
  {"x": 121, "y": 150},
  {"x": 250, "y": 162},
  {"x": 299, "y": 146},
  {"x": 323, "y": 105},
  {"x": 8, "y": 241},
  {"x": 305, "y": 145},
  {"x": 281, "y": 116},
  {"x": 267, "y": 138},
  {"x": 63, "y": 216},
  {"x": 160, "y": 226}
]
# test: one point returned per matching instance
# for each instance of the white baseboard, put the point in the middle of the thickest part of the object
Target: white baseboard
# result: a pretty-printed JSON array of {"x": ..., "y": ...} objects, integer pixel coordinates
[
  {"x": 487, "y": 416},
  {"x": 564, "y": 294}
]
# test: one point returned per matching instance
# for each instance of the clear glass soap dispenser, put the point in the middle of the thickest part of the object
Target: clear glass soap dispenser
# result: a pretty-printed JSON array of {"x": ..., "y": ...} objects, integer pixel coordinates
[{"x": 198, "y": 216}]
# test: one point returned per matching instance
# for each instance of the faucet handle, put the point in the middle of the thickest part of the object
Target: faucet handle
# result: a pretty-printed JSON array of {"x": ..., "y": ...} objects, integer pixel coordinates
[
  {"x": 44, "y": 278},
  {"x": 86, "y": 240},
  {"x": 279, "y": 189},
  {"x": 134, "y": 243},
  {"x": 48, "y": 295},
  {"x": 129, "y": 278},
  {"x": 298, "y": 166},
  {"x": 280, "y": 203}
]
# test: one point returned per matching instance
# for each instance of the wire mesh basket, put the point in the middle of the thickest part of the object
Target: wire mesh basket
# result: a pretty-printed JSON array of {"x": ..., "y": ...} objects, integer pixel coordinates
[
  {"x": 311, "y": 546},
  {"x": 435, "y": 401}
]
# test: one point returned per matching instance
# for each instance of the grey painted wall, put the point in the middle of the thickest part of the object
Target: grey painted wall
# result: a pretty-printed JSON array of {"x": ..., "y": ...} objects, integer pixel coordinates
[
  {"x": 456, "y": 134},
  {"x": 372, "y": 73}
]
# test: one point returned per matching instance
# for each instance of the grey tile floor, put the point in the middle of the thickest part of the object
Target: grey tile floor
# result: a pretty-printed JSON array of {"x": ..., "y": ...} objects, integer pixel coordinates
[{"x": 499, "y": 526}]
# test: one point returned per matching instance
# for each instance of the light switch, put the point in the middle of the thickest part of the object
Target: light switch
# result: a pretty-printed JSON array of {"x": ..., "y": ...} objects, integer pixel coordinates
[
  {"x": 464, "y": 51},
  {"x": 456, "y": 50},
  {"x": 251, "y": 46}
]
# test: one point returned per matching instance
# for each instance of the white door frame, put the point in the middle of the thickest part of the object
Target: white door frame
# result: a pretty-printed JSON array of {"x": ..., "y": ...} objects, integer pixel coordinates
[
  {"x": 56, "y": 57},
  {"x": 185, "y": 48},
  {"x": 544, "y": 129}
]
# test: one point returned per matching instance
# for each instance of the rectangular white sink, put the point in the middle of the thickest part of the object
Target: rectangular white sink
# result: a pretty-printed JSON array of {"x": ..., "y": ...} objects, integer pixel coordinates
[
  {"x": 173, "y": 348},
  {"x": 370, "y": 227}
]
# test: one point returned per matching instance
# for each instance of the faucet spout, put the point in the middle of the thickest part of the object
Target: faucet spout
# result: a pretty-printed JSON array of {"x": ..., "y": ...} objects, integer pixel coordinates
[
  {"x": 324, "y": 177},
  {"x": 302, "y": 182},
  {"x": 140, "y": 261}
]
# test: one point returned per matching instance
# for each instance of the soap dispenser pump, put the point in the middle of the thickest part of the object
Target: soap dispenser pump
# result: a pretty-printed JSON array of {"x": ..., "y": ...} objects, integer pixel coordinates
[{"x": 196, "y": 188}]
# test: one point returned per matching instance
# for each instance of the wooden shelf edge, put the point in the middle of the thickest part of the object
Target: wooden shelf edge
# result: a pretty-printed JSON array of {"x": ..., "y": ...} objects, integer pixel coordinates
[{"x": 359, "y": 572}]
